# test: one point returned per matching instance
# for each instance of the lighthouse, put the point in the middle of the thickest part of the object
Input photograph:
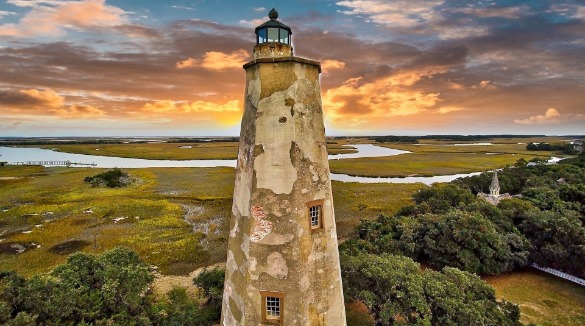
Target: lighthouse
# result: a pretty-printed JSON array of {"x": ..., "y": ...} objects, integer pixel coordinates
[{"x": 282, "y": 261}]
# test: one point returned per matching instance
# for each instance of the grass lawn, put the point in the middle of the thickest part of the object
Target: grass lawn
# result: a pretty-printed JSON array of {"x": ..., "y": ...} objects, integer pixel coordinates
[{"x": 543, "y": 299}]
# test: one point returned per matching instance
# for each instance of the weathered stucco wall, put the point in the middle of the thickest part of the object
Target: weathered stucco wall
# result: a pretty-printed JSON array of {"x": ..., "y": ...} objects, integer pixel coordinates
[
  {"x": 272, "y": 50},
  {"x": 282, "y": 165}
]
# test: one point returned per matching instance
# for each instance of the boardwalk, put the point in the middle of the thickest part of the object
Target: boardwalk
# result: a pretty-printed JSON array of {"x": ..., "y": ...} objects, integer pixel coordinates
[
  {"x": 560, "y": 274},
  {"x": 54, "y": 163}
]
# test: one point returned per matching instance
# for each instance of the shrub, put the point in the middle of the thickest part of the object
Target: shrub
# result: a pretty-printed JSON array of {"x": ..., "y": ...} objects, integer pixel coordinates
[{"x": 112, "y": 179}]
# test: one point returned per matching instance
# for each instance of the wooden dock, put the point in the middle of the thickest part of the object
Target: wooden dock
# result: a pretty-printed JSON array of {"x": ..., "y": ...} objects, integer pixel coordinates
[{"x": 54, "y": 163}]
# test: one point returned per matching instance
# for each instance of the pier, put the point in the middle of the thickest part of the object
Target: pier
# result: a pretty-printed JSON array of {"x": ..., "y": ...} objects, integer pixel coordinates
[
  {"x": 560, "y": 274},
  {"x": 54, "y": 163}
]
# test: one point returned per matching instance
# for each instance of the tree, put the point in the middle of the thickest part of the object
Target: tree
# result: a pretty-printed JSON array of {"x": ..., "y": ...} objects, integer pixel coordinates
[
  {"x": 458, "y": 238},
  {"x": 112, "y": 287},
  {"x": 557, "y": 240},
  {"x": 390, "y": 286},
  {"x": 179, "y": 309},
  {"x": 108, "y": 289},
  {"x": 397, "y": 292},
  {"x": 460, "y": 298},
  {"x": 211, "y": 282},
  {"x": 442, "y": 198}
]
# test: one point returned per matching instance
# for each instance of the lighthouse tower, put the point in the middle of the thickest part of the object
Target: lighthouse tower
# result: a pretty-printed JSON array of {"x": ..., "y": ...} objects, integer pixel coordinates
[{"x": 282, "y": 261}]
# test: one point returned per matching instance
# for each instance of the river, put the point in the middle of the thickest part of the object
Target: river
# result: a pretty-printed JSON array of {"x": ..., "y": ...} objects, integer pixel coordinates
[{"x": 21, "y": 154}]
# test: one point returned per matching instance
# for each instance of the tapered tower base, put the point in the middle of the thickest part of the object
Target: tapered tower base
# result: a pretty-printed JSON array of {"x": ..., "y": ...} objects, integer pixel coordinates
[{"x": 283, "y": 262}]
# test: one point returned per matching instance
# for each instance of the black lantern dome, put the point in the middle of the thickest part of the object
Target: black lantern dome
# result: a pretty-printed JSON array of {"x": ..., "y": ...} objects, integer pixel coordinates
[{"x": 273, "y": 31}]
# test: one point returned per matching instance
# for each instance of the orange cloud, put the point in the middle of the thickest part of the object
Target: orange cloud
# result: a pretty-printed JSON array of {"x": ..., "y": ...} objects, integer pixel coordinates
[
  {"x": 551, "y": 116},
  {"x": 48, "y": 98},
  {"x": 327, "y": 65},
  {"x": 227, "y": 113},
  {"x": 197, "y": 106},
  {"x": 53, "y": 19},
  {"x": 447, "y": 109},
  {"x": 484, "y": 84},
  {"x": 217, "y": 60},
  {"x": 188, "y": 63},
  {"x": 34, "y": 102},
  {"x": 79, "y": 111},
  {"x": 376, "y": 101}
]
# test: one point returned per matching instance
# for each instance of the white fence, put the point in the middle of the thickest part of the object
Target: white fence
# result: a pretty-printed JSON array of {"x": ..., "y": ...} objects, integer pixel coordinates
[{"x": 560, "y": 274}]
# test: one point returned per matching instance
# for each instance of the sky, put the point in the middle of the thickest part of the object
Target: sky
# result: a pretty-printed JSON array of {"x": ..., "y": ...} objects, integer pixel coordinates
[{"x": 390, "y": 67}]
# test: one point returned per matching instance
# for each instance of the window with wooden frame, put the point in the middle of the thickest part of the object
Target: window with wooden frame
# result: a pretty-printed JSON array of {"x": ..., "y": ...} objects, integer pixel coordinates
[
  {"x": 272, "y": 307},
  {"x": 315, "y": 214}
]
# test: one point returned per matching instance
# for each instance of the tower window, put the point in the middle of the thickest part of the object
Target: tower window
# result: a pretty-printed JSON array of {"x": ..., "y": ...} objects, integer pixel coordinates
[
  {"x": 272, "y": 307},
  {"x": 315, "y": 214}
]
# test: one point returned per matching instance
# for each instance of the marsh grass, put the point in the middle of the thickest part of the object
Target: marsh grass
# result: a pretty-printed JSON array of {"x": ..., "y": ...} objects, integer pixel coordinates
[
  {"x": 158, "y": 225},
  {"x": 151, "y": 216},
  {"x": 426, "y": 163},
  {"x": 57, "y": 208},
  {"x": 156, "y": 151},
  {"x": 172, "y": 151},
  {"x": 356, "y": 201},
  {"x": 543, "y": 299}
]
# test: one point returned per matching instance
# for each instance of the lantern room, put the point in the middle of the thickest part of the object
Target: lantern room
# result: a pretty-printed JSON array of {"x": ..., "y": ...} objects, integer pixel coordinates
[{"x": 273, "y": 31}]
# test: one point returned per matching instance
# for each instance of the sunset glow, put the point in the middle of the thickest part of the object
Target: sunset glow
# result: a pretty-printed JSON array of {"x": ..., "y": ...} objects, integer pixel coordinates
[{"x": 106, "y": 67}]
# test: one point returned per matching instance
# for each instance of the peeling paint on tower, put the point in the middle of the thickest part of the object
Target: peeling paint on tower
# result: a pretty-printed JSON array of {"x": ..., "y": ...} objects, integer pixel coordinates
[{"x": 276, "y": 249}]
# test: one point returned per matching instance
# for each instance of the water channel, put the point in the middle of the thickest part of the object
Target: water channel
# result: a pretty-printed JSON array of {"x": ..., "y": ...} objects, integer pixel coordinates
[{"x": 21, "y": 154}]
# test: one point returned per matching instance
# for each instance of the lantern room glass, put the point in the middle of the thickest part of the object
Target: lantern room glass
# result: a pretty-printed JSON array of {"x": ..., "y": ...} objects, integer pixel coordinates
[{"x": 273, "y": 35}]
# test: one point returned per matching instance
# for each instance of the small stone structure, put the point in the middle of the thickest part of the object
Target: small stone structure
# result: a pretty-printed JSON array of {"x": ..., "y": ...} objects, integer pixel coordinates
[
  {"x": 495, "y": 185},
  {"x": 494, "y": 197},
  {"x": 282, "y": 261}
]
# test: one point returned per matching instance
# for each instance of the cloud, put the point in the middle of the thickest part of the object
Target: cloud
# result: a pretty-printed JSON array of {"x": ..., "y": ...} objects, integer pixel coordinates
[
  {"x": 505, "y": 12},
  {"x": 78, "y": 111},
  {"x": 417, "y": 17},
  {"x": 573, "y": 11},
  {"x": 60, "y": 15},
  {"x": 217, "y": 60},
  {"x": 447, "y": 109},
  {"x": 33, "y": 3},
  {"x": 13, "y": 125},
  {"x": 137, "y": 31},
  {"x": 442, "y": 56},
  {"x": 192, "y": 107},
  {"x": 44, "y": 103},
  {"x": 551, "y": 116},
  {"x": 259, "y": 9},
  {"x": 6, "y": 13},
  {"x": 227, "y": 113},
  {"x": 47, "y": 98},
  {"x": 484, "y": 84},
  {"x": 380, "y": 99},
  {"x": 187, "y": 63},
  {"x": 328, "y": 64},
  {"x": 252, "y": 23},
  {"x": 183, "y": 7},
  {"x": 402, "y": 13}
]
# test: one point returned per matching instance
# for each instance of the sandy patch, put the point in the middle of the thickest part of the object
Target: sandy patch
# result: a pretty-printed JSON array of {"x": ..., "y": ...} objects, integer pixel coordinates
[{"x": 164, "y": 283}]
